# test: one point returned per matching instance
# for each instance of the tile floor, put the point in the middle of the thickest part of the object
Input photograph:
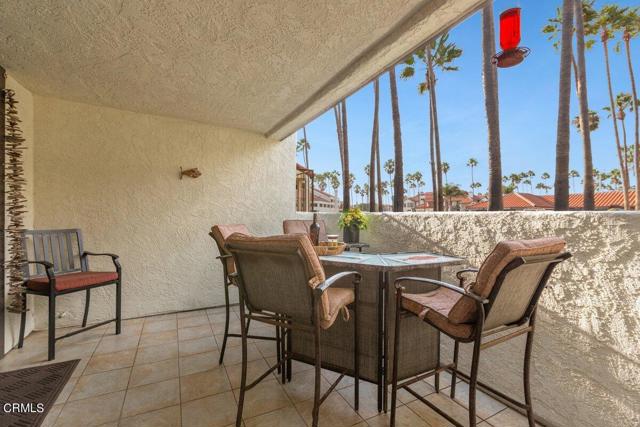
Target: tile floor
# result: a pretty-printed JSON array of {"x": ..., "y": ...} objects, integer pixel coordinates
[{"x": 163, "y": 371}]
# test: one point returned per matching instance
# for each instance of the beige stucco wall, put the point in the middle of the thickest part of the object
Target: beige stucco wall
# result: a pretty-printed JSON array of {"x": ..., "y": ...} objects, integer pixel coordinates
[
  {"x": 586, "y": 362},
  {"x": 25, "y": 112},
  {"x": 114, "y": 174}
]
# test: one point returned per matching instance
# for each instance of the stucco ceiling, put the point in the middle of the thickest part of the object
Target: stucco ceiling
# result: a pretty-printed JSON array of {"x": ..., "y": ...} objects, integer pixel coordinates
[{"x": 264, "y": 66}]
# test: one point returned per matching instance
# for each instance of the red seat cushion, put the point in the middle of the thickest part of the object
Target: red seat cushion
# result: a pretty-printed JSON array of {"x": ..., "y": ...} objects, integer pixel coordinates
[{"x": 77, "y": 280}]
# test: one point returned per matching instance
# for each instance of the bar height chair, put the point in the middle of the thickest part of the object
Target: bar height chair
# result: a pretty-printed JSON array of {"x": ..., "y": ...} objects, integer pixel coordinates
[
  {"x": 282, "y": 274},
  {"x": 503, "y": 298},
  {"x": 220, "y": 233}
]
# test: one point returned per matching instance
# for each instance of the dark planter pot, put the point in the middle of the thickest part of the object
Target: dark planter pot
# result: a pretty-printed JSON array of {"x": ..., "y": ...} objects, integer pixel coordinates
[{"x": 351, "y": 234}]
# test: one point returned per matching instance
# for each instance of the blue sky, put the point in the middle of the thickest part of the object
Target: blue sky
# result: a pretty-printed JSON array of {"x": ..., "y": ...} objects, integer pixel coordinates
[{"x": 528, "y": 108}]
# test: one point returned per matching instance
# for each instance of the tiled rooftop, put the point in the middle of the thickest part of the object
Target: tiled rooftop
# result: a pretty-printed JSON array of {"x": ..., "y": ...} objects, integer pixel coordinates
[{"x": 163, "y": 371}]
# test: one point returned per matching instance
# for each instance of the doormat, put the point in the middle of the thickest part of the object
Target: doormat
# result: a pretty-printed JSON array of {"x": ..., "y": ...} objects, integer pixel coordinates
[{"x": 27, "y": 395}]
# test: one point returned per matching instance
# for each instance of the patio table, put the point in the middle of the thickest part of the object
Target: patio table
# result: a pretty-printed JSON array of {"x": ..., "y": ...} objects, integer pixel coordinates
[{"x": 420, "y": 342}]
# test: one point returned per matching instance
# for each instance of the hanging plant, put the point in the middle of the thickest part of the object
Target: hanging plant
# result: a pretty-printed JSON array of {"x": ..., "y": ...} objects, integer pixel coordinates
[{"x": 15, "y": 183}]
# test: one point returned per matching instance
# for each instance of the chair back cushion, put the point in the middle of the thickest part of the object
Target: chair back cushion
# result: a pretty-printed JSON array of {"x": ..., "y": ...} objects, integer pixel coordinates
[
  {"x": 302, "y": 226},
  {"x": 505, "y": 252},
  {"x": 277, "y": 272},
  {"x": 220, "y": 233}
]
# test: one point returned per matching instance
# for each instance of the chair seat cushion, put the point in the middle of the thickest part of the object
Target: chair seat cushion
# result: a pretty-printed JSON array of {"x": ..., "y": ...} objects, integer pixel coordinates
[
  {"x": 338, "y": 299},
  {"x": 64, "y": 282},
  {"x": 435, "y": 307}
]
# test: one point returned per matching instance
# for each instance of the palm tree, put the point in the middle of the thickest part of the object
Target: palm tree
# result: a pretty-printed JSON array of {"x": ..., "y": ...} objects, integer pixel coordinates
[
  {"x": 544, "y": 176},
  {"x": 475, "y": 185},
  {"x": 491, "y": 105},
  {"x": 472, "y": 163},
  {"x": 614, "y": 178},
  {"x": 358, "y": 190},
  {"x": 334, "y": 180},
  {"x": 390, "y": 168},
  {"x": 417, "y": 177},
  {"x": 624, "y": 102},
  {"x": 350, "y": 182},
  {"x": 594, "y": 121},
  {"x": 304, "y": 147},
  {"x": 608, "y": 18},
  {"x": 561, "y": 199},
  {"x": 450, "y": 191},
  {"x": 585, "y": 17},
  {"x": 573, "y": 174},
  {"x": 543, "y": 186},
  {"x": 398, "y": 190},
  {"x": 375, "y": 152},
  {"x": 410, "y": 181},
  {"x": 438, "y": 54},
  {"x": 630, "y": 24},
  {"x": 585, "y": 114},
  {"x": 445, "y": 170},
  {"x": 321, "y": 180}
]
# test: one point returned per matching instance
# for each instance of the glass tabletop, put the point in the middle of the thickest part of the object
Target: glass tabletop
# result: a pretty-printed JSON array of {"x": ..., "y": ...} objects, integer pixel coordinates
[{"x": 400, "y": 259}]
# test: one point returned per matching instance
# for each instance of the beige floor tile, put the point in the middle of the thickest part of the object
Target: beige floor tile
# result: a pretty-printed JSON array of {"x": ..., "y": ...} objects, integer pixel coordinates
[
  {"x": 165, "y": 417},
  {"x": 234, "y": 326},
  {"x": 485, "y": 405},
  {"x": 80, "y": 367},
  {"x": 91, "y": 335},
  {"x": 154, "y": 372},
  {"x": 110, "y": 361},
  {"x": 423, "y": 388},
  {"x": 150, "y": 397},
  {"x": 265, "y": 397},
  {"x": 233, "y": 355},
  {"x": 91, "y": 412},
  {"x": 199, "y": 345},
  {"x": 52, "y": 416},
  {"x": 331, "y": 376},
  {"x": 201, "y": 384},
  {"x": 199, "y": 362},
  {"x": 195, "y": 332},
  {"x": 508, "y": 418},
  {"x": 66, "y": 390},
  {"x": 255, "y": 368},
  {"x": 445, "y": 380},
  {"x": 99, "y": 384},
  {"x": 159, "y": 338},
  {"x": 158, "y": 317},
  {"x": 231, "y": 341},
  {"x": 159, "y": 326},
  {"x": 405, "y": 417},
  {"x": 129, "y": 327},
  {"x": 157, "y": 353},
  {"x": 213, "y": 411},
  {"x": 115, "y": 343},
  {"x": 266, "y": 348},
  {"x": 284, "y": 417},
  {"x": 198, "y": 319},
  {"x": 302, "y": 386},
  {"x": 334, "y": 412},
  {"x": 191, "y": 313},
  {"x": 447, "y": 405},
  {"x": 74, "y": 351},
  {"x": 368, "y": 398}
]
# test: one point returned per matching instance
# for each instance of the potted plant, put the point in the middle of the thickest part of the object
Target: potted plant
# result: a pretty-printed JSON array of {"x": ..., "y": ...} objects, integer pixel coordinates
[{"x": 351, "y": 222}]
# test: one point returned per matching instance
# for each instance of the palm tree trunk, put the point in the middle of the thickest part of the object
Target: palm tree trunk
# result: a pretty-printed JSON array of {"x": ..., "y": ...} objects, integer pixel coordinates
[
  {"x": 337, "y": 114},
  {"x": 432, "y": 157},
  {"x": 379, "y": 171},
  {"x": 625, "y": 149},
  {"x": 581, "y": 87},
  {"x": 625, "y": 182},
  {"x": 436, "y": 130},
  {"x": 373, "y": 166},
  {"x": 636, "y": 114},
  {"x": 398, "y": 187},
  {"x": 491, "y": 105},
  {"x": 306, "y": 149},
  {"x": 561, "y": 186},
  {"x": 345, "y": 148}
]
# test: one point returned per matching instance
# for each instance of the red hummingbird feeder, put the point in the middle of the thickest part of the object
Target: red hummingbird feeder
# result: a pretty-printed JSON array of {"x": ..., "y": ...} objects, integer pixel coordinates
[{"x": 511, "y": 54}]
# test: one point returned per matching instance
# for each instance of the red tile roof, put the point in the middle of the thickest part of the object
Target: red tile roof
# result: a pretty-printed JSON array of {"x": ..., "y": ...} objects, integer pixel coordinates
[{"x": 603, "y": 200}]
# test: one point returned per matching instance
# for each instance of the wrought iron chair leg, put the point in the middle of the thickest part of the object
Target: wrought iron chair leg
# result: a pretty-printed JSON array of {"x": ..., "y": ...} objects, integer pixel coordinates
[
  {"x": 454, "y": 373},
  {"x": 396, "y": 345},
  {"x": 289, "y": 347},
  {"x": 87, "y": 301},
  {"x": 243, "y": 378},
  {"x": 318, "y": 369},
  {"x": 473, "y": 380},
  {"x": 118, "y": 306},
  {"x": 226, "y": 323},
  {"x": 23, "y": 321},
  {"x": 52, "y": 328},
  {"x": 356, "y": 352},
  {"x": 527, "y": 372}
]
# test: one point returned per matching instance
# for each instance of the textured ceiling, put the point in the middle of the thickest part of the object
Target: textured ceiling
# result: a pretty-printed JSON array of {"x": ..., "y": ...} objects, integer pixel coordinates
[{"x": 263, "y": 66}]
